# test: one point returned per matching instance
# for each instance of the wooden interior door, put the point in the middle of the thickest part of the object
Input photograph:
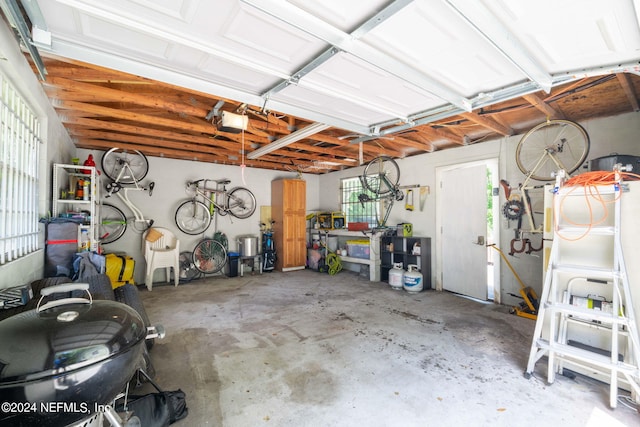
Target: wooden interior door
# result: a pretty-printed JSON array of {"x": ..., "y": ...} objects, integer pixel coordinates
[{"x": 288, "y": 209}]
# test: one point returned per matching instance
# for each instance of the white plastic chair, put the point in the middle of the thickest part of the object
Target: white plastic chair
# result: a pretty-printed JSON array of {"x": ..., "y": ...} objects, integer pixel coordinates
[{"x": 161, "y": 250}]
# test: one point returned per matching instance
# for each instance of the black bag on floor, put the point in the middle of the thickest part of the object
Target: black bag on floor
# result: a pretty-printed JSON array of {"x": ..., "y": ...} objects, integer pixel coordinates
[{"x": 157, "y": 409}]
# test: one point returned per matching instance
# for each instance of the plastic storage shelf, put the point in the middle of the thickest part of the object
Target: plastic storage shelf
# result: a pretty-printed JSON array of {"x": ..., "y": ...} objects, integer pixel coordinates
[{"x": 406, "y": 250}]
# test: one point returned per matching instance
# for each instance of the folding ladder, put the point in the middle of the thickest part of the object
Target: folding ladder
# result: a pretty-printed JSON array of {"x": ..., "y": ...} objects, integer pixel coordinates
[{"x": 614, "y": 322}]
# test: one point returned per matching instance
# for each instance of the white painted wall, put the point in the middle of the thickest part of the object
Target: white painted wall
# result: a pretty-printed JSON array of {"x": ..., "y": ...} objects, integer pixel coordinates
[
  {"x": 612, "y": 134},
  {"x": 170, "y": 177},
  {"x": 56, "y": 146}
]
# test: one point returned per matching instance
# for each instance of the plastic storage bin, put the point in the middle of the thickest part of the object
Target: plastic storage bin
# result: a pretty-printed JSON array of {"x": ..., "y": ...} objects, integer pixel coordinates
[{"x": 358, "y": 248}]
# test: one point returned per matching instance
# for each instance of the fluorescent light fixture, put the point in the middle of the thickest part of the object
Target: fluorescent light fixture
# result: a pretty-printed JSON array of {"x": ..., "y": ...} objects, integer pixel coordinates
[{"x": 288, "y": 139}]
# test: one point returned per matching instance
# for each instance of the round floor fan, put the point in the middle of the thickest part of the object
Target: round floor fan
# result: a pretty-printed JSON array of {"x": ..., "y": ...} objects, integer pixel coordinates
[{"x": 188, "y": 270}]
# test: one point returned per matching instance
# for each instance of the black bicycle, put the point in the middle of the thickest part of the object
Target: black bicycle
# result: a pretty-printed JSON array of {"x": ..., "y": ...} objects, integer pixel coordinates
[{"x": 381, "y": 177}]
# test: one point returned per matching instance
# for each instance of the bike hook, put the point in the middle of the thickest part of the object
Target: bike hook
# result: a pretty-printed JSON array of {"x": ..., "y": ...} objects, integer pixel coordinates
[{"x": 524, "y": 244}]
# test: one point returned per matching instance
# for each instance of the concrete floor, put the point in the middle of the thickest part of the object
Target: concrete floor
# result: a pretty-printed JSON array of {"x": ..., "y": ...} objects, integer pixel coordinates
[{"x": 308, "y": 349}]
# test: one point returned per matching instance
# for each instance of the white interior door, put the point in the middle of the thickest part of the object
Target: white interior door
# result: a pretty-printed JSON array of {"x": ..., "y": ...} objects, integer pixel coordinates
[{"x": 464, "y": 227}]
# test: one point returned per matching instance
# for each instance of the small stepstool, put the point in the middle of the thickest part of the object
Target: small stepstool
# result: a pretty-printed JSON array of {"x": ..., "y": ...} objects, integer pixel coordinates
[{"x": 602, "y": 276}]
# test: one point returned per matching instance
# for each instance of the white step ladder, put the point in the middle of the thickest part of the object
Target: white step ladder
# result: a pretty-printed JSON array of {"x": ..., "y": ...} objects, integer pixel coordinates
[{"x": 606, "y": 273}]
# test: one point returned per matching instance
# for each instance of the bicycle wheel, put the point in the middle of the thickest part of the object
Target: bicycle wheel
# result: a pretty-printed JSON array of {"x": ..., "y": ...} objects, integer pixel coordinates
[
  {"x": 125, "y": 166},
  {"x": 209, "y": 256},
  {"x": 551, "y": 146},
  {"x": 188, "y": 270},
  {"x": 193, "y": 217},
  {"x": 381, "y": 175},
  {"x": 112, "y": 225},
  {"x": 242, "y": 202}
]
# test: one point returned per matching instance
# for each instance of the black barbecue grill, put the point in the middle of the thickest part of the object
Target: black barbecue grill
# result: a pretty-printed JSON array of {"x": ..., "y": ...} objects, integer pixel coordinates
[{"x": 62, "y": 360}]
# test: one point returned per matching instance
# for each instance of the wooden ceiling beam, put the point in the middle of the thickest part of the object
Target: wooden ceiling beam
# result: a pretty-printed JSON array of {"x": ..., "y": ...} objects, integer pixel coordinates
[
  {"x": 232, "y": 149},
  {"x": 140, "y": 130},
  {"x": 442, "y": 133},
  {"x": 308, "y": 162},
  {"x": 346, "y": 146},
  {"x": 629, "y": 91},
  {"x": 118, "y": 138},
  {"x": 541, "y": 105},
  {"x": 120, "y": 133},
  {"x": 407, "y": 140},
  {"x": 94, "y": 73},
  {"x": 488, "y": 123},
  {"x": 92, "y": 144},
  {"x": 151, "y": 150},
  {"x": 151, "y": 120},
  {"x": 114, "y": 95},
  {"x": 424, "y": 140},
  {"x": 104, "y": 108},
  {"x": 155, "y": 102}
]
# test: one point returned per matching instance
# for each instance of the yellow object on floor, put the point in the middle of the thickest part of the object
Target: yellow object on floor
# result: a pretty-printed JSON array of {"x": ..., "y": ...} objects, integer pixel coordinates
[
  {"x": 119, "y": 268},
  {"x": 529, "y": 307}
]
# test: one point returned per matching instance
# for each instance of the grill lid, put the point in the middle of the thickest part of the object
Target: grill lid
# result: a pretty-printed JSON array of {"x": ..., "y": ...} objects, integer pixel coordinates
[{"x": 64, "y": 336}]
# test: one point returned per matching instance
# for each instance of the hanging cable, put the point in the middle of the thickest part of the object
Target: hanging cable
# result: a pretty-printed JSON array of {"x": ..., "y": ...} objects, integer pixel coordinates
[
  {"x": 591, "y": 182},
  {"x": 242, "y": 165}
]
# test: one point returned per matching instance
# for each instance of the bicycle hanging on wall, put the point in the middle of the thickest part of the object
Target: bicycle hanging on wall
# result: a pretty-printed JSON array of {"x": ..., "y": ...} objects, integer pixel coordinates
[
  {"x": 549, "y": 147},
  {"x": 126, "y": 169},
  {"x": 381, "y": 177},
  {"x": 194, "y": 215}
]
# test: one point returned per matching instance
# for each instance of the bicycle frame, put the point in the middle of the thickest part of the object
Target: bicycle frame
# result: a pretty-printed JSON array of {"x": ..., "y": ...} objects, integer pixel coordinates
[
  {"x": 116, "y": 187},
  {"x": 209, "y": 195},
  {"x": 524, "y": 188},
  {"x": 387, "y": 199}
]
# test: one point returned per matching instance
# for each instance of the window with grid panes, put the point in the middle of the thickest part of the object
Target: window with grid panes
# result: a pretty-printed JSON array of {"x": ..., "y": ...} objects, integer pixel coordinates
[
  {"x": 353, "y": 208},
  {"x": 19, "y": 155}
]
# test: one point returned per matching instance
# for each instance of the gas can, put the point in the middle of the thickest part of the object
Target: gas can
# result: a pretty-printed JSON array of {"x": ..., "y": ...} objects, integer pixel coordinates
[
  {"x": 413, "y": 279},
  {"x": 396, "y": 276}
]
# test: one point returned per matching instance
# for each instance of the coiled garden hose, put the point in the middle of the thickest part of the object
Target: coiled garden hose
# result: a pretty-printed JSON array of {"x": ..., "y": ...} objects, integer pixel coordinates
[{"x": 333, "y": 263}]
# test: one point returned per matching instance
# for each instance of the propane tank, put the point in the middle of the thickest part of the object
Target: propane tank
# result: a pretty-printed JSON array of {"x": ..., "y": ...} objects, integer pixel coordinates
[
  {"x": 396, "y": 276},
  {"x": 413, "y": 279}
]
